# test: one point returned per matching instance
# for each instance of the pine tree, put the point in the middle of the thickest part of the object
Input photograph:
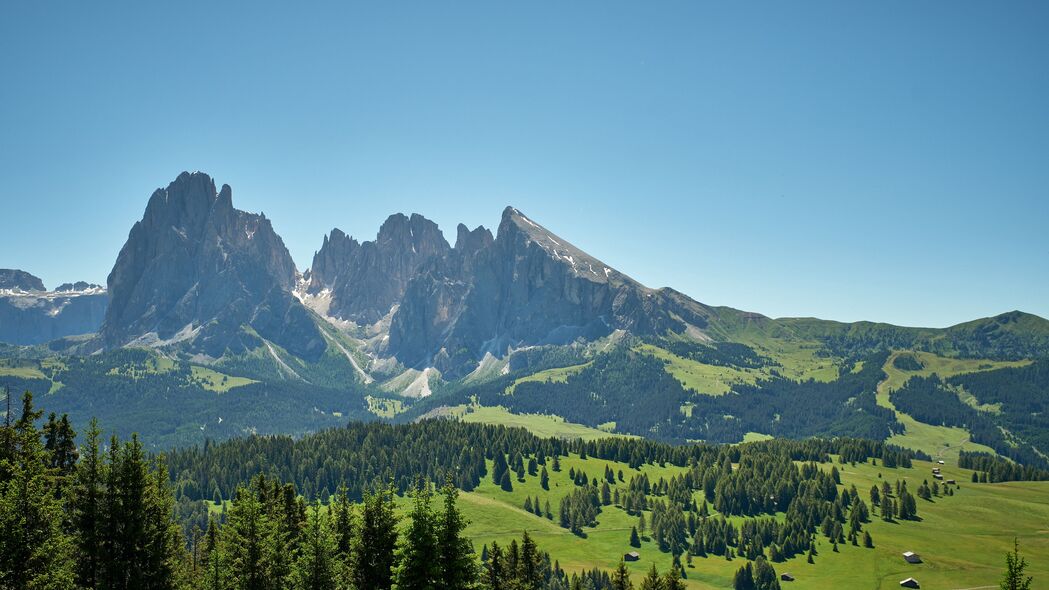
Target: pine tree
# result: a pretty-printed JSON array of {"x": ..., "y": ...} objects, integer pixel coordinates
[
  {"x": 672, "y": 579},
  {"x": 418, "y": 556},
  {"x": 211, "y": 560},
  {"x": 504, "y": 482},
  {"x": 376, "y": 541},
  {"x": 458, "y": 571},
  {"x": 1015, "y": 577},
  {"x": 246, "y": 543},
  {"x": 868, "y": 542},
  {"x": 315, "y": 565},
  {"x": 496, "y": 575},
  {"x": 85, "y": 506},
  {"x": 744, "y": 579},
  {"x": 621, "y": 578},
  {"x": 544, "y": 479},
  {"x": 765, "y": 575},
  {"x": 59, "y": 442},
  {"x": 34, "y": 550},
  {"x": 341, "y": 522},
  {"x": 499, "y": 468},
  {"x": 530, "y": 565},
  {"x": 652, "y": 581},
  {"x": 635, "y": 541}
]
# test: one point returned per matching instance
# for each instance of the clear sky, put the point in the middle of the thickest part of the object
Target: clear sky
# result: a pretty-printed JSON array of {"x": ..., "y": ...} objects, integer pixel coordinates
[{"x": 881, "y": 160}]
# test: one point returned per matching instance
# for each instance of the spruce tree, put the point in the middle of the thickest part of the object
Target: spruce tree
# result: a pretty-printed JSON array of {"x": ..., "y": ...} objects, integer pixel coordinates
[
  {"x": 85, "y": 507},
  {"x": 765, "y": 575},
  {"x": 211, "y": 560},
  {"x": 652, "y": 581},
  {"x": 376, "y": 541},
  {"x": 455, "y": 552},
  {"x": 246, "y": 543},
  {"x": 1015, "y": 577},
  {"x": 530, "y": 565},
  {"x": 496, "y": 575},
  {"x": 672, "y": 579},
  {"x": 315, "y": 565},
  {"x": 418, "y": 565},
  {"x": 635, "y": 541},
  {"x": 35, "y": 552},
  {"x": 621, "y": 578},
  {"x": 499, "y": 468},
  {"x": 744, "y": 579}
]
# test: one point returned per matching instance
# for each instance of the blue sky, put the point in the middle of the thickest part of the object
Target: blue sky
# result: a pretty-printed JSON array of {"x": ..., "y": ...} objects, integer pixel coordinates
[{"x": 885, "y": 161}]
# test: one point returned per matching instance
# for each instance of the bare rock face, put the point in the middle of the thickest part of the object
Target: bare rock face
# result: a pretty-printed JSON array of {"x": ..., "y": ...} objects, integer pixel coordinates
[
  {"x": 526, "y": 287},
  {"x": 367, "y": 279},
  {"x": 19, "y": 280},
  {"x": 199, "y": 273},
  {"x": 31, "y": 315}
]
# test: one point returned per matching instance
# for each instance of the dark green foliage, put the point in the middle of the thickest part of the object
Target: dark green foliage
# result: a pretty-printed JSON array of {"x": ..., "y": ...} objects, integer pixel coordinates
[
  {"x": 315, "y": 567},
  {"x": 1023, "y": 393},
  {"x": 721, "y": 354},
  {"x": 373, "y": 560},
  {"x": 928, "y": 399},
  {"x": 580, "y": 509},
  {"x": 458, "y": 571},
  {"x": 907, "y": 362},
  {"x": 1000, "y": 469},
  {"x": 167, "y": 408},
  {"x": 418, "y": 557},
  {"x": 34, "y": 550}
]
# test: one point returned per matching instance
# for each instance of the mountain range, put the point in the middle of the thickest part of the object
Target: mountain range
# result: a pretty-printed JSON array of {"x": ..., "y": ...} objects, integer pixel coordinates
[{"x": 204, "y": 290}]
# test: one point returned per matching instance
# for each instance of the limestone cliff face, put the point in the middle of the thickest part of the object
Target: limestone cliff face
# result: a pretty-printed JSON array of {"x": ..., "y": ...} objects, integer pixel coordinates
[
  {"x": 199, "y": 273},
  {"x": 29, "y": 314},
  {"x": 526, "y": 287},
  {"x": 367, "y": 279}
]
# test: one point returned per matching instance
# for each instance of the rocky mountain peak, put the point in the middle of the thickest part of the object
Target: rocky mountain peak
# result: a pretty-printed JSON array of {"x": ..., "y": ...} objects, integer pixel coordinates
[
  {"x": 195, "y": 270},
  {"x": 468, "y": 242},
  {"x": 366, "y": 280},
  {"x": 19, "y": 280}
]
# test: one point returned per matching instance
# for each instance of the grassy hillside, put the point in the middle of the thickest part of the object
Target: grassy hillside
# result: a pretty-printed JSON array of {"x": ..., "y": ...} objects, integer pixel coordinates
[
  {"x": 962, "y": 539},
  {"x": 938, "y": 441}
]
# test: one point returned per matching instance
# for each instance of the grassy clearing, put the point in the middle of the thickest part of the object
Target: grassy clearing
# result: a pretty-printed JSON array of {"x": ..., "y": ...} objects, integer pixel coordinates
[
  {"x": 384, "y": 407},
  {"x": 700, "y": 377},
  {"x": 555, "y": 375},
  {"x": 943, "y": 442},
  {"x": 22, "y": 372},
  {"x": 796, "y": 361},
  {"x": 962, "y": 538},
  {"x": 217, "y": 382},
  {"x": 539, "y": 424},
  {"x": 155, "y": 365},
  {"x": 756, "y": 437}
]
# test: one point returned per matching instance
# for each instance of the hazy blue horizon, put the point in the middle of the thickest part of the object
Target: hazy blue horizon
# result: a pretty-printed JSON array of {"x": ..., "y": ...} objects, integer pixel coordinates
[{"x": 887, "y": 162}]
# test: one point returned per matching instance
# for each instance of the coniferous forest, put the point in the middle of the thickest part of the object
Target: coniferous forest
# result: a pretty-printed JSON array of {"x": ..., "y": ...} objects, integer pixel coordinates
[{"x": 375, "y": 505}]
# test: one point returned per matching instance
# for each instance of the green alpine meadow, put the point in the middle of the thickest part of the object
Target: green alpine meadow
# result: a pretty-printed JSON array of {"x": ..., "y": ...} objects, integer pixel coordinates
[{"x": 524, "y": 296}]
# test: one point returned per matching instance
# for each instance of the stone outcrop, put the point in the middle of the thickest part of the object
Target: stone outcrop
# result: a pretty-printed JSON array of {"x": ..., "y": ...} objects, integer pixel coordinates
[{"x": 198, "y": 273}]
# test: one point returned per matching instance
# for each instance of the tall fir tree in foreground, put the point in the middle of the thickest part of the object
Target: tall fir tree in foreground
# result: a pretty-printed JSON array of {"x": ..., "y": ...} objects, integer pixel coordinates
[
  {"x": 35, "y": 552},
  {"x": 418, "y": 556},
  {"x": 315, "y": 567},
  {"x": 373, "y": 559},
  {"x": 455, "y": 552}
]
